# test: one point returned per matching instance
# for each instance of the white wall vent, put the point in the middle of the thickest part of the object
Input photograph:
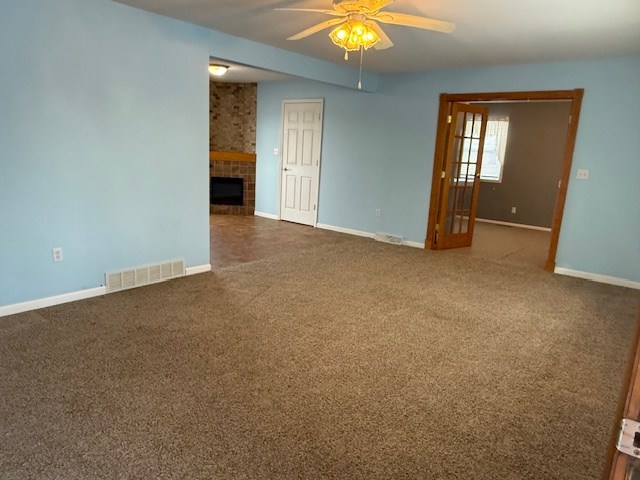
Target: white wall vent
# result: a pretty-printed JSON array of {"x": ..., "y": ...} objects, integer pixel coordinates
[
  {"x": 388, "y": 238},
  {"x": 138, "y": 276}
]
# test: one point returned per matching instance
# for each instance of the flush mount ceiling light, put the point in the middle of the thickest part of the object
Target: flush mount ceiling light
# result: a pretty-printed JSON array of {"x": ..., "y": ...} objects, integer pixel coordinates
[{"x": 217, "y": 69}]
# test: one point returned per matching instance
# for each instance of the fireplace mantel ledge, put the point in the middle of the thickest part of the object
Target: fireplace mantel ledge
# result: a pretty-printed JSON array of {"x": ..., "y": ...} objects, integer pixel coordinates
[{"x": 233, "y": 156}]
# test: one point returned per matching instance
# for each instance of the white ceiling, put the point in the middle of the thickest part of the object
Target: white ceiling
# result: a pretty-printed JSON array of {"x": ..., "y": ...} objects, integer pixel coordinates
[{"x": 488, "y": 32}]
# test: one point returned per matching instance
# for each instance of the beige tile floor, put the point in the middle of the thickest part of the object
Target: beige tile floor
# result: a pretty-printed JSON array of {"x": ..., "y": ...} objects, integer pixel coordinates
[
  {"x": 245, "y": 238},
  {"x": 239, "y": 239}
]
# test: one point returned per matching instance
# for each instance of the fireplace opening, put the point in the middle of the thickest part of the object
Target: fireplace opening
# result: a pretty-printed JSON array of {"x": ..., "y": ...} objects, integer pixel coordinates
[{"x": 226, "y": 191}]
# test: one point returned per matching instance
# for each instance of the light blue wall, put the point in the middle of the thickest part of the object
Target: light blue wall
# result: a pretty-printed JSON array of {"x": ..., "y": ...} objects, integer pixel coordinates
[
  {"x": 104, "y": 139},
  {"x": 378, "y": 153},
  {"x": 372, "y": 157}
]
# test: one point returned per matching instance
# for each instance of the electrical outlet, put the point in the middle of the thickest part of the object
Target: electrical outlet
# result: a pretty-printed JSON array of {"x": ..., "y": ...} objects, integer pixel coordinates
[
  {"x": 583, "y": 174},
  {"x": 57, "y": 254},
  {"x": 378, "y": 212},
  {"x": 276, "y": 151},
  {"x": 513, "y": 210}
]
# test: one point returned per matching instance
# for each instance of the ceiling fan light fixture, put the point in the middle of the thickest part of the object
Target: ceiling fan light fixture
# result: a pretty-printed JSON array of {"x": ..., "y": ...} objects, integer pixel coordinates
[
  {"x": 217, "y": 69},
  {"x": 341, "y": 34},
  {"x": 357, "y": 25},
  {"x": 353, "y": 35}
]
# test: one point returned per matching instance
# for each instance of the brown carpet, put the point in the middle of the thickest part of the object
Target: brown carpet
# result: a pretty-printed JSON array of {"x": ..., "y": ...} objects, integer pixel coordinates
[
  {"x": 512, "y": 245},
  {"x": 355, "y": 361}
]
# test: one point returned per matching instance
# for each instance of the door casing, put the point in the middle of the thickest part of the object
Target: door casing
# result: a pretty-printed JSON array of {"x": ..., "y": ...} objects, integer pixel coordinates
[{"x": 447, "y": 99}]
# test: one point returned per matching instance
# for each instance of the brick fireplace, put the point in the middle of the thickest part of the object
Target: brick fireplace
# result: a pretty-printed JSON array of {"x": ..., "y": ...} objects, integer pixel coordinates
[
  {"x": 232, "y": 143},
  {"x": 236, "y": 169}
]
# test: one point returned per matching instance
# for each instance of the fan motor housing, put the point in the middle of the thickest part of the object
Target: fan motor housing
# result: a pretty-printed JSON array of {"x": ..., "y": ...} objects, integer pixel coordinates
[{"x": 357, "y": 5}]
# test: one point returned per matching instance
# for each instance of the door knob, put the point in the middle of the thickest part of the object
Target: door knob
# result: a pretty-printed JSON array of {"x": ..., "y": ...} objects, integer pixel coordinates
[{"x": 285, "y": 169}]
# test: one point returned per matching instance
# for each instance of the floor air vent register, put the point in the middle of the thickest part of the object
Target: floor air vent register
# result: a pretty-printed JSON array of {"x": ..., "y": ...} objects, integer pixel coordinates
[
  {"x": 138, "y": 276},
  {"x": 388, "y": 238}
]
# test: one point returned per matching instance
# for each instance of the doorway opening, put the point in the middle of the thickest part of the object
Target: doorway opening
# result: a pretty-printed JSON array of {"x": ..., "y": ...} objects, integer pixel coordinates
[
  {"x": 449, "y": 226},
  {"x": 232, "y": 146}
]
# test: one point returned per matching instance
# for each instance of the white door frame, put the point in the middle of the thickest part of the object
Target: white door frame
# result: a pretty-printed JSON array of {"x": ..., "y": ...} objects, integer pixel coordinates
[{"x": 317, "y": 199}]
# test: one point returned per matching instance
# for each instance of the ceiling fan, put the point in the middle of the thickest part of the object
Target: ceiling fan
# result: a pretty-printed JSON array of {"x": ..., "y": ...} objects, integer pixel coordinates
[{"x": 356, "y": 27}]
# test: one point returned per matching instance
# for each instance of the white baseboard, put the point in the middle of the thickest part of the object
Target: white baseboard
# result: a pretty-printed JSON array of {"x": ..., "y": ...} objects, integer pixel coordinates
[
  {"x": 509, "y": 224},
  {"x": 198, "y": 269},
  {"x": 266, "y": 215},
  {"x": 349, "y": 231},
  {"x": 596, "y": 277},
  {"x": 51, "y": 301},
  {"x": 360, "y": 233},
  {"x": 75, "y": 296},
  {"x": 410, "y": 243}
]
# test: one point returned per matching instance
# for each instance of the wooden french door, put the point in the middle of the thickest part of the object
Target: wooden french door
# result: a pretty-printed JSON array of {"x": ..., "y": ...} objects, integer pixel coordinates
[{"x": 460, "y": 176}]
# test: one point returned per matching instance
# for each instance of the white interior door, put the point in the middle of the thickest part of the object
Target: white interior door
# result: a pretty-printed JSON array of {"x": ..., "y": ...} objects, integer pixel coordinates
[{"x": 301, "y": 141}]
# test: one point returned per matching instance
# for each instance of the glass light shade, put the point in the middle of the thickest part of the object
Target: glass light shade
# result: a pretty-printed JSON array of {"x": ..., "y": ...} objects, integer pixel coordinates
[
  {"x": 218, "y": 70},
  {"x": 353, "y": 34}
]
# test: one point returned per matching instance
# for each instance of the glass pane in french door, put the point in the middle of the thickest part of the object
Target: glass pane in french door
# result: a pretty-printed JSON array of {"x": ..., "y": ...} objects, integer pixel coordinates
[
  {"x": 463, "y": 171},
  {"x": 458, "y": 171}
]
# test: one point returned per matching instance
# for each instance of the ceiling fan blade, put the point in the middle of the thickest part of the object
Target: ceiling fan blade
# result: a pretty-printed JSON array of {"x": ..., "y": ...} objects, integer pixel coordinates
[
  {"x": 385, "y": 41},
  {"x": 316, "y": 28},
  {"x": 316, "y": 10},
  {"x": 380, "y": 4},
  {"x": 414, "y": 21}
]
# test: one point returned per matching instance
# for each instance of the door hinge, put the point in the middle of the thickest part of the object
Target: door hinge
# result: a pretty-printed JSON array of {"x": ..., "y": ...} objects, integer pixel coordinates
[
  {"x": 570, "y": 118},
  {"x": 629, "y": 438},
  {"x": 443, "y": 174},
  {"x": 437, "y": 227},
  {"x": 314, "y": 208},
  {"x": 449, "y": 118}
]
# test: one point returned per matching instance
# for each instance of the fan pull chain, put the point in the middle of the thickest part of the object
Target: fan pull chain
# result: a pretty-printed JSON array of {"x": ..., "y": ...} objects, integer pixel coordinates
[
  {"x": 360, "y": 73},
  {"x": 346, "y": 55}
]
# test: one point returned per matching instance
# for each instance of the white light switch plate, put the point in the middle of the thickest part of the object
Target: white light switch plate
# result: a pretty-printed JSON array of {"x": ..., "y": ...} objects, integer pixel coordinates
[
  {"x": 583, "y": 174},
  {"x": 276, "y": 151}
]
